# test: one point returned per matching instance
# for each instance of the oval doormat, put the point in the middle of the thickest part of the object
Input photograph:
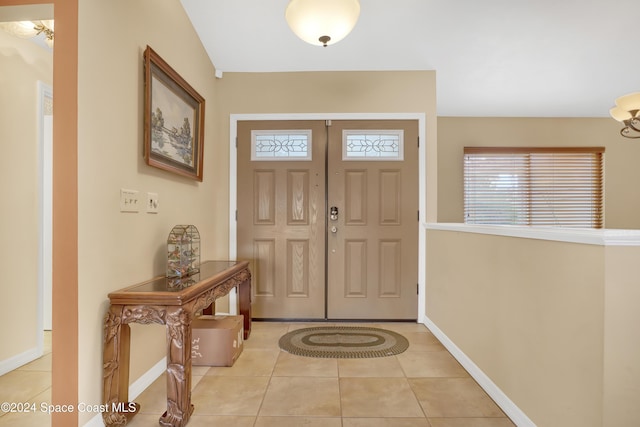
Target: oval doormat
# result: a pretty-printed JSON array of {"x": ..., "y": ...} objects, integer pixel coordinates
[{"x": 349, "y": 342}]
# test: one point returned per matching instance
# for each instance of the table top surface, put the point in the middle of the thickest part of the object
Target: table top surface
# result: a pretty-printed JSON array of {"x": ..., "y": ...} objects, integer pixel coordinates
[{"x": 179, "y": 289}]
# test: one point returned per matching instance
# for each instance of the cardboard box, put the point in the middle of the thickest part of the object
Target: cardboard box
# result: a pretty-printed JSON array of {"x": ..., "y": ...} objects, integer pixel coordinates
[{"x": 216, "y": 340}]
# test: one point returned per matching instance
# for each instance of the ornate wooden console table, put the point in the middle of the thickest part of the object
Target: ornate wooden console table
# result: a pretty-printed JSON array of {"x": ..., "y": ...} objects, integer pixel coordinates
[{"x": 170, "y": 302}]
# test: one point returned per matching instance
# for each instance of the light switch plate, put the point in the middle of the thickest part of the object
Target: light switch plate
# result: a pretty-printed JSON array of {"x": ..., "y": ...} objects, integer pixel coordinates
[
  {"x": 153, "y": 203},
  {"x": 129, "y": 201}
]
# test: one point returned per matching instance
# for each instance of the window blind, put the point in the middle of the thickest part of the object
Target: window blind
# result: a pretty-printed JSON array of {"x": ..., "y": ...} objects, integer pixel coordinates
[{"x": 553, "y": 187}]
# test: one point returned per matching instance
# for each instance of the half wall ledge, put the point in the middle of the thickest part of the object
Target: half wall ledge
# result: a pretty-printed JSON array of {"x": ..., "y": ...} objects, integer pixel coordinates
[{"x": 588, "y": 236}]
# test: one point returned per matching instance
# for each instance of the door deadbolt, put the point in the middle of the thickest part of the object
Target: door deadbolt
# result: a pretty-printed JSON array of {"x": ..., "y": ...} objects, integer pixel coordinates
[{"x": 333, "y": 213}]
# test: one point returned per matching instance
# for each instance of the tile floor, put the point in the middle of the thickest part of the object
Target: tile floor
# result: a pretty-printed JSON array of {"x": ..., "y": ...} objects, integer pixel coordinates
[
  {"x": 422, "y": 387},
  {"x": 30, "y": 383}
]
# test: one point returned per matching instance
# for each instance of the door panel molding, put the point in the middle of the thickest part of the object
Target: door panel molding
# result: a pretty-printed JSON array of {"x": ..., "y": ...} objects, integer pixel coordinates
[
  {"x": 265, "y": 202},
  {"x": 390, "y": 197},
  {"x": 298, "y": 268},
  {"x": 355, "y": 270},
  {"x": 389, "y": 255},
  {"x": 355, "y": 200},
  {"x": 264, "y": 273},
  {"x": 297, "y": 197}
]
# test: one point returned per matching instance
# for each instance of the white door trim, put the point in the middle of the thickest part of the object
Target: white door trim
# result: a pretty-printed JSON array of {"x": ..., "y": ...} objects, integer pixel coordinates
[
  {"x": 422, "y": 177},
  {"x": 45, "y": 198}
]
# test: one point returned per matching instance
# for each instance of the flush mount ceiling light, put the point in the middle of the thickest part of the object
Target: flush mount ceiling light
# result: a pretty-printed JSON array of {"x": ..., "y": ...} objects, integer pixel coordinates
[
  {"x": 29, "y": 29},
  {"x": 322, "y": 22},
  {"x": 626, "y": 112}
]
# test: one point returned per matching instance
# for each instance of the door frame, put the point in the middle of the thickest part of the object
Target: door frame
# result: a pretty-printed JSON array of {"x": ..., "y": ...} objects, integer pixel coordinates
[
  {"x": 45, "y": 216},
  {"x": 422, "y": 180}
]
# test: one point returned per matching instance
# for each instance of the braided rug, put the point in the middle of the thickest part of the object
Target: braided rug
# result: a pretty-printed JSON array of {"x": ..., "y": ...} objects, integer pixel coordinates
[{"x": 349, "y": 342}]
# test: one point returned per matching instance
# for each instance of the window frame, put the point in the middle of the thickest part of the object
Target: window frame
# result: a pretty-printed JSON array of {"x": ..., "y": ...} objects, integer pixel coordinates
[{"x": 532, "y": 212}]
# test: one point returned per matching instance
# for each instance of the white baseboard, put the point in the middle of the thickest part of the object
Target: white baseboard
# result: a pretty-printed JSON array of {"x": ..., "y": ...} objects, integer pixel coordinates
[
  {"x": 502, "y": 400},
  {"x": 136, "y": 388},
  {"x": 19, "y": 360}
]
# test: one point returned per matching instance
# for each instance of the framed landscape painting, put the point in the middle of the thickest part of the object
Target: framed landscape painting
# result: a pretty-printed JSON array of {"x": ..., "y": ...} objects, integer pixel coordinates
[{"x": 173, "y": 119}]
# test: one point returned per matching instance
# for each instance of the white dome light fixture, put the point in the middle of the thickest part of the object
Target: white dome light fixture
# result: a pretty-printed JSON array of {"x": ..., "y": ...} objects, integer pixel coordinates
[{"x": 322, "y": 22}]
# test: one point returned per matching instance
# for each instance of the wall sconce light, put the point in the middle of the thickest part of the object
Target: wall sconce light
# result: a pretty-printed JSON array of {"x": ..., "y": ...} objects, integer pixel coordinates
[
  {"x": 29, "y": 29},
  {"x": 626, "y": 112},
  {"x": 322, "y": 22}
]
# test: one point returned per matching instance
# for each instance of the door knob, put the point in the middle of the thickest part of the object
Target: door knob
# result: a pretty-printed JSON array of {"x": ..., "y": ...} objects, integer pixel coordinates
[{"x": 334, "y": 229}]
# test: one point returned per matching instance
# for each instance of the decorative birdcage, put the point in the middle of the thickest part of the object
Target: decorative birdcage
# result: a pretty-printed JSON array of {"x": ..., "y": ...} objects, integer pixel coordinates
[{"x": 183, "y": 251}]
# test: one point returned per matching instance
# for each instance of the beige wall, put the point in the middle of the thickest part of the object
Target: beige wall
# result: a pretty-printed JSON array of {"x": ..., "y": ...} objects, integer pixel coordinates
[
  {"x": 622, "y": 200},
  {"x": 621, "y": 343},
  {"x": 119, "y": 249},
  {"x": 104, "y": 140},
  {"x": 530, "y": 314},
  {"x": 333, "y": 92},
  {"x": 22, "y": 63}
]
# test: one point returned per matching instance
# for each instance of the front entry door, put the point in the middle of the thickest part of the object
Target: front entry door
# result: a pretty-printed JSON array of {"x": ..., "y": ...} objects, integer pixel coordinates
[
  {"x": 338, "y": 200},
  {"x": 373, "y": 243},
  {"x": 281, "y": 226}
]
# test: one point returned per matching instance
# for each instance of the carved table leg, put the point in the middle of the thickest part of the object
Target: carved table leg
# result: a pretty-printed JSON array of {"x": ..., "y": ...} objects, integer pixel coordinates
[
  {"x": 244, "y": 297},
  {"x": 116, "y": 370},
  {"x": 179, "y": 407}
]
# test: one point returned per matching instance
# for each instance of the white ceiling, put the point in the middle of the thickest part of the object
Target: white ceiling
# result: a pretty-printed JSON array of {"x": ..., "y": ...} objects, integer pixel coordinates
[{"x": 526, "y": 58}]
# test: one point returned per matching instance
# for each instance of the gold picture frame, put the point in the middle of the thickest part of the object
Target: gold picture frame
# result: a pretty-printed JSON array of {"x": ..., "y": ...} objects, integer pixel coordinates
[{"x": 173, "y": 119}]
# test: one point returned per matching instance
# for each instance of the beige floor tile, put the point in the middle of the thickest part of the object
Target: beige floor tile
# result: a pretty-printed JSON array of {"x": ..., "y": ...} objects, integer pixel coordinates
[
  {"x": 145, "y": 420},
  {"x": 385, "y": 422},
  {"x": 304, "y": 396},
  {"x": 269, "y": 328},
  {"x": 377, "y": 367},
  {"x": 153, "y": 400},
  {"x": 30, "y": 419},
  {"x": 423, "y": 341},
  {"x": 198, "y": 371},
  {"x": 430, "y": 364},
  {"x": 290, "y": 365},
  {"x": 216, "y": 395},
  {"x": 195, "y": 380},
  {"x": 471, "y": 422},
  {"x": 252, "y": 362},
  {"x": 265, "y": 335},
  {"x": 42, "y": 364},
  {"x": 44, "y": 397},
  {"x": 298, "y": 422},
  {"x": 219, "y": 421},
  {"x": 400, "y": 327},
  {"x": 303, "y": 325},
  {"x": 453, "y": 397},
  {"x": 378, "y": 397},
  {"x": 21, "y": 386}
]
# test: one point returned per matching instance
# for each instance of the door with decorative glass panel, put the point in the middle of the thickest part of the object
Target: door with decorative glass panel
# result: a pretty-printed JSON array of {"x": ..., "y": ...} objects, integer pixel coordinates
[{"x": 334, "y": 200}]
